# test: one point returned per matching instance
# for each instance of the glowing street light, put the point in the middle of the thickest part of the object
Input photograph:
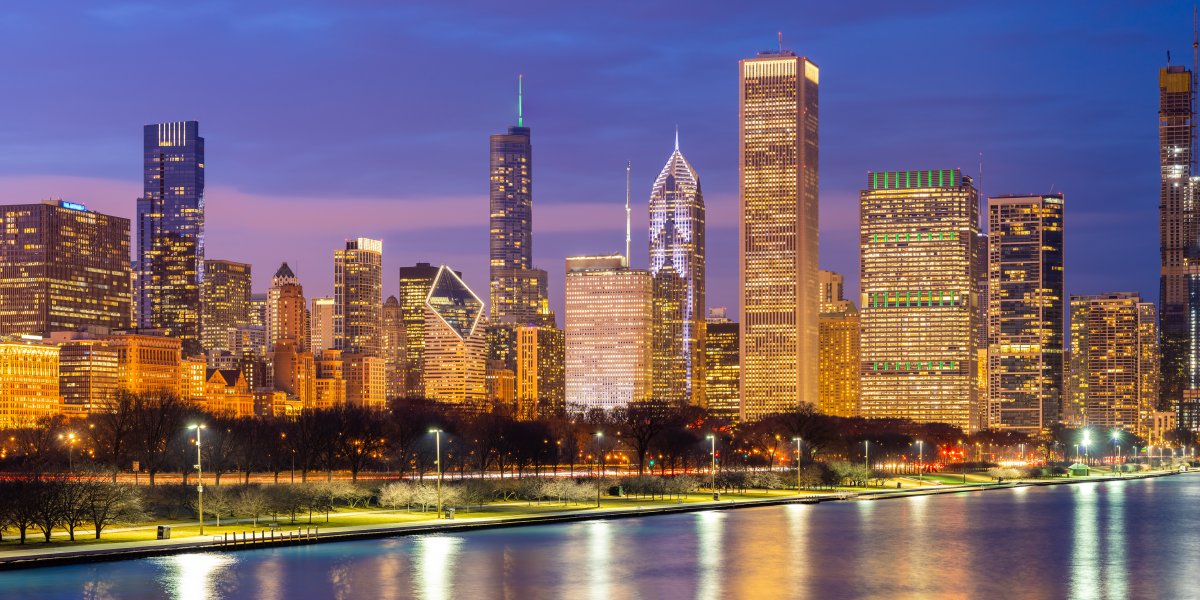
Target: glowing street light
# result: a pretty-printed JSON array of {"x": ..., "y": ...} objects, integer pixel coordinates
[
  {"x": 199, "y": 474},
  {"x": 798, "y": 457},
  {"x": 599, "y": 436},
  {"x": 921, "y": 461},
  {"x": 70, "y": 439},
  {"x": 1087, "y": 439},
  {"x": 713, "y": 439},
  {"x": 437, "y": 440}
]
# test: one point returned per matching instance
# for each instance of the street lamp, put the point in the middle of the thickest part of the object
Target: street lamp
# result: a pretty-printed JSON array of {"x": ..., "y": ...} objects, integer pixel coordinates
[
  {"x": 437, "y": 439},
  {"x": 798, "y": 457},
  {"x": 70, "y": 439},
  {"x": 199, "y": 474},
  {"x": 921, "y": 461},
  {"x": 713, "y": 472},
  {"x": 1116, "y": 440},
  {"x": 1087, "y": 439},
  {"x": 599, "y": 436}
]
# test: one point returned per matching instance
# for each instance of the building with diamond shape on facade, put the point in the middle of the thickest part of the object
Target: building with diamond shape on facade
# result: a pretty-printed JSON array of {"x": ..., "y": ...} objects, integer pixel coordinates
[{"x": 455, "y": 365}]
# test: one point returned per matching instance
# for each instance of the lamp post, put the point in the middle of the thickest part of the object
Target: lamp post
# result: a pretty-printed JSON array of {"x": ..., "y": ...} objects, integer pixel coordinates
[
  {"x": 798, "y": 458},
  {"x": 713, "y": 470},
  {"x": 437, "y": 440},
  {"x": 599, "y": 436},
  {"x": 867, "y": 454},
  {"x": 199, "y": 475},
  {"x": 70, "y": 439},
  {"x": 921, "y": 461},
  {"x": 1116, "y": 440}
]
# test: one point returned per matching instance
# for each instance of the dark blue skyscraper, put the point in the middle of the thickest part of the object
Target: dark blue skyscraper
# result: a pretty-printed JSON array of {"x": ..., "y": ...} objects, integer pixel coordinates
[{"x": 170, "y": 224}]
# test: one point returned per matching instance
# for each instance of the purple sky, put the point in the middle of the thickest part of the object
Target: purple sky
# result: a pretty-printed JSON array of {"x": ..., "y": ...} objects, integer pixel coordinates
[{"x": 331, "y": 120}]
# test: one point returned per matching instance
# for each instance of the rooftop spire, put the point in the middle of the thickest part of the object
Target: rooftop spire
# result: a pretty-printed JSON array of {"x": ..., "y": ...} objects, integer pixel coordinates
[
  {"x": 677, "y": 137},
  {"x": 627, "y": 229},
  {"x": 520, "y": 100}
]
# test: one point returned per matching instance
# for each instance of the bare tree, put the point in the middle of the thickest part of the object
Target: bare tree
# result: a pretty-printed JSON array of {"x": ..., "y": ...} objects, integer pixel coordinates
[
  {"x": 111, "y": 430},
  {"x": 158, "y": 418}
]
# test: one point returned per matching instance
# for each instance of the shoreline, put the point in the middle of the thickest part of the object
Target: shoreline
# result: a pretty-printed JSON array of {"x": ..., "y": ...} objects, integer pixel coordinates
[{"x": 33, "y": 559}]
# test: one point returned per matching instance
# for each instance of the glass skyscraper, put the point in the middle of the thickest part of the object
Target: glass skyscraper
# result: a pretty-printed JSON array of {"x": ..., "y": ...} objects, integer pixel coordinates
[
  {"x": 517, "y": 290},
  {"x": 1025, "y": 312},
  {"x": 170, "y": 216},
  {"x": 358, "y": 297},
  {"x": 677, "y": 266}
]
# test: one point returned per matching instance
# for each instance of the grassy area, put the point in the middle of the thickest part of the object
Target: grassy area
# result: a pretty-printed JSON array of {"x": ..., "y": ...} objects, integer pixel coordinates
[{"x": 147, "y": 531}]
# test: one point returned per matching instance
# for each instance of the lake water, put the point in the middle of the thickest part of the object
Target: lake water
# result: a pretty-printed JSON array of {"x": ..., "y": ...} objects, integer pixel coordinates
[{"x": 1122, "y": 539}]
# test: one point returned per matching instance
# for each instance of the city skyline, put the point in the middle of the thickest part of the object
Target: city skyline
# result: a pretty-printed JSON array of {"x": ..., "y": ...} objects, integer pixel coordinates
[{"x": 580, "y": 183}]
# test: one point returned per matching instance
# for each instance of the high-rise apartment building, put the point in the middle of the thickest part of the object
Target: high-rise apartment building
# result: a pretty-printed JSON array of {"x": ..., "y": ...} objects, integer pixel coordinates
[
  {"x": 62, "y": 268},
  {"x": 777, "y": 149},
  {"x": 677, "y": 254},
  {"x": 358, "y": 296},
  {"x": 1114, "y": 362},
  {"x": 226, "y": 302},
  {"x": 28, "y": 383},
  {"x": 366, "y": 380},
  {"x": 517, "y": 290},
  {"x": 170, "y": 217},
  {"x": 921, "y": 303},
  {"x": 287, "y": 311},
  {"x": 540, "y": 371},
  {"x": 321, "y": 324},
  {"x": 609, "y": 330},
  {"x": 721, "y": 365},
  {"x": 455, "y": 343},
  {"x": 1025, "y": 312},
  {"x": 393, "y": 346},
  {"x": 838, "y": 376},
  {"x": 88, "y": 375},
  {"x": 415, "y": 283}
]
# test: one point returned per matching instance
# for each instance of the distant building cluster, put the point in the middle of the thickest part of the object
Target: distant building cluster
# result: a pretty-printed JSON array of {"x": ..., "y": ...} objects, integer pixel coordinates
[{"x": 953, "y": 324}]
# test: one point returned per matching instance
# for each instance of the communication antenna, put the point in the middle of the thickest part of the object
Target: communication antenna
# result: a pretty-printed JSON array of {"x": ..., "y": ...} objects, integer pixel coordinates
[
  {"x": 520, "y": 100},
  {"x": 627, "y": 213},
  {"x": 983, "y": 218},
  {"x": 1195, "y": 66},
  {"x": 780, "y": 36}
]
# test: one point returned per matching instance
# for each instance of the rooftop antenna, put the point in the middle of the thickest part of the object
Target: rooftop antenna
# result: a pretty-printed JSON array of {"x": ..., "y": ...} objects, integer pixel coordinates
[
  {"x": 780, "y": 37},
  {"x": 520, "y": 99},
  {"x": 1195, "y": 66},
  {"x": 627, "y": 213}
]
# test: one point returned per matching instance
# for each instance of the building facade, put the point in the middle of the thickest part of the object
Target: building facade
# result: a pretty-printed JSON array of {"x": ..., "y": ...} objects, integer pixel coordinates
[
  {"x": 170, "y": 216},
  {"x": 148, "y": 363},
  {"x": 541, "y": 375},
  {"x": 226, "y": 302},
  {"x": 415, "y": 283},
  {"x": 921, "y": 303},
  {"x": 287, "y": 311},
  {"x": 609, "y": 331},
  {"x": 89, "y": 375},
  {"x": 321, "y": 324},
  {"x": 393, "y": 346},
  {"x": 62, "y": 268},
  {"x": 28, "y": 383},
  {"x": 778, "y": 158},
  {"x": 677, "y": 265},
  {"x": 358, "y": 296},
  {"x": 838, "y": 381},
  {"x": 722, "y": 366},
  {"x": 1025, "y": 312},
  {"x": 455, "y": 343},
  {"x": 1114, "y": 362}
]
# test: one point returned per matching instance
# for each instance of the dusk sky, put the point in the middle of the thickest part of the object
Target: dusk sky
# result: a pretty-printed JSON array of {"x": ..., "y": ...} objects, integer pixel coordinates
[{"x": 332, "y": 120}]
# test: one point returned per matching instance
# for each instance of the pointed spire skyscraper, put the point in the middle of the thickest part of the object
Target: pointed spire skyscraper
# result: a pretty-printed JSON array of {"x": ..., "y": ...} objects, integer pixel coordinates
[{"x": 677, "y": 257}]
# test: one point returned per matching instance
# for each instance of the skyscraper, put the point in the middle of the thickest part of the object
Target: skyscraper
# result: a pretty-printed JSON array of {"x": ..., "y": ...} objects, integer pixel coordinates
[
  {"x": 517, "y": 290},
  {"x": 1179, "y": 282},
  {"x": 226, "y": 302},
  {"x": 29, "y": 387},
  {"x": 358, "y": 296},
  {"x": 415, "y": 283},
  {"x": 722, "y": 366},
  {"x": 1114, "y": 362},
  {"x": 455, "y": 342},
  {"x": 170, "y": 217},
  {"x": 677, "y": 266},
  {"x": 320, "y": 329},
  {"x": 62, "y": 268},
  {"x": 1025, "y": 312},
  {"x": 287, "y": 311},
  {"x": 541, "y": 371},
  {"x": 777, "y": 170},
  {"x": 393, "y": 346},
  {"x": 921, "y": 304},
  {"x": 608, "y": 331},
  {"x": 838, "y": 380}
]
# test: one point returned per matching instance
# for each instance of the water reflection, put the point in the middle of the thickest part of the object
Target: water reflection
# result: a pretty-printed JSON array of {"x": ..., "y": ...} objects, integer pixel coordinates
[
  {"x": 1115, "y": 585},
  {"x": 710, "y": 552},
  {"x": 599, "y": 543},
  {"x": 434, "y": 558},
  {"x": 1085, "y": 542},
  {"x": 194, "y": 576}
]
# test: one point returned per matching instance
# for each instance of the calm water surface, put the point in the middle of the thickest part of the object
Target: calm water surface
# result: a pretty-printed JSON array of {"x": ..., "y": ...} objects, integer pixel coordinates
[{"x": 1128, "y": 539}]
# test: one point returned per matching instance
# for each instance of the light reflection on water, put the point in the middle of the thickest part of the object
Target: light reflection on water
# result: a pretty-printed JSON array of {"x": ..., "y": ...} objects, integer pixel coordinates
[{"x": 1125, "y": 539}]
